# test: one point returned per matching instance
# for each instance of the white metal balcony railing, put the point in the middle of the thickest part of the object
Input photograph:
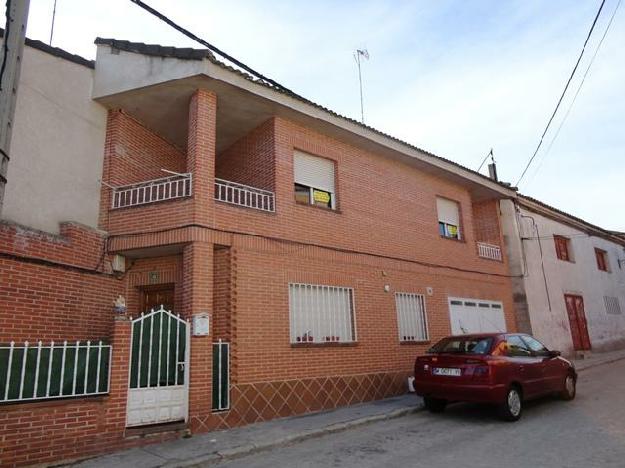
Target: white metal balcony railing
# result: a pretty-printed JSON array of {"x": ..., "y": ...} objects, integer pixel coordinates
[
  {"x": 244, "y": 195},
  {"x": 151, "y": 191},
  {"x": 490, "y": 251}
]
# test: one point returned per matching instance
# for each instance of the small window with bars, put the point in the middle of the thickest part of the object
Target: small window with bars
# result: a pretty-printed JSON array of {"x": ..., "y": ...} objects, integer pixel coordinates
[
  {"x": 612, "y": 305},
  {"x": 321, "y": 314},
  {"x": 411, "y": 317}
]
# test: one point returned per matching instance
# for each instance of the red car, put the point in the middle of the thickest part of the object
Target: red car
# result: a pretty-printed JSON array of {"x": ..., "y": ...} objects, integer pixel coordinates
[{"x": 500, "y": 368}]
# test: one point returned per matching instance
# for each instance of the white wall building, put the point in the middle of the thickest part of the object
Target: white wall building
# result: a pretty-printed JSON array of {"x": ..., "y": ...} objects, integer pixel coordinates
[
  {"x": 57, "y": 145},
  {"x": 569, "y": 277}
]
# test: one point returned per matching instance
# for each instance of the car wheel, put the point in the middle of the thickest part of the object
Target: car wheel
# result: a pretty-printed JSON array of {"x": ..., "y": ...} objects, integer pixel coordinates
[
  {"x": 512, "y": 407},
  {"x": 434, "y": 405},
  {"x": 569, "y": 391}
]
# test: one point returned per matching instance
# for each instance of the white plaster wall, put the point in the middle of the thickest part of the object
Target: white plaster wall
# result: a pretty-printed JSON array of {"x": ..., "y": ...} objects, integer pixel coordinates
[
  {"x": 57, "y": 145},
  {"x": 581, "y": 277}
]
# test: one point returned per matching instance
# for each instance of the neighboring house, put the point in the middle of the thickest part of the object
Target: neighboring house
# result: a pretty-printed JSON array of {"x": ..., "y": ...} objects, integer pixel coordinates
[
  {"x": 266, "y": 256},
  {"x": 568, "y": 277}
]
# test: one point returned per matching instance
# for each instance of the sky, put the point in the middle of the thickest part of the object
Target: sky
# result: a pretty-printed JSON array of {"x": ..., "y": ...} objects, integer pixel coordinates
[{"x": 453, "y": 77}]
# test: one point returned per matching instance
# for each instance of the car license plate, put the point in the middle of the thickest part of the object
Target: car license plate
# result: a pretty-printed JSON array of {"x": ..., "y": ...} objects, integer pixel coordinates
[{"x": 446, "y": 371}]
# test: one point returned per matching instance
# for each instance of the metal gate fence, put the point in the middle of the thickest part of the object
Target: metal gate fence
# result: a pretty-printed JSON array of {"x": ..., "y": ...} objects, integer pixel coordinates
[
  {"x": 221, "y": 376},
  {"x": 159, "y": 377}
]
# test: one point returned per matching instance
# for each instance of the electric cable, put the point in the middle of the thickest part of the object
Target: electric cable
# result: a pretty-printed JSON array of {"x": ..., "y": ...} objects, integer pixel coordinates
[{"x": 566, "y": 87}]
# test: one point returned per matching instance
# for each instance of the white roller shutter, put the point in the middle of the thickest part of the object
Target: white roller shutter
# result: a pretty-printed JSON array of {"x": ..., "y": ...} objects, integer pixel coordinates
[
  {"x": 313, "y": 171},
  {"x": 448, "y": 211}
]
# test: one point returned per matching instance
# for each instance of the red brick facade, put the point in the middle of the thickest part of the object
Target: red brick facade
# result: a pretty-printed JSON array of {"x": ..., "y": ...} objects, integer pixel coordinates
[{"x": 236, "y": 263}]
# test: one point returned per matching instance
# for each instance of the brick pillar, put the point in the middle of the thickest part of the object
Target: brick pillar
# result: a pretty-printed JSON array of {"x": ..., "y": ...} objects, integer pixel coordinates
[
  {"x": 115, "y": 418},
  {"x": 201, "y": 153},
  {"x": 198, "y": 298}
]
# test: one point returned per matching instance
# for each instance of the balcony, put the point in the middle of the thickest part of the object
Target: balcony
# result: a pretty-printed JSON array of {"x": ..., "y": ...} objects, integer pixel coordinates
[
  {"x": 489, "y": 251},
  {"x": 244, "y": 195},
  {"x": 152, "y": 191}
]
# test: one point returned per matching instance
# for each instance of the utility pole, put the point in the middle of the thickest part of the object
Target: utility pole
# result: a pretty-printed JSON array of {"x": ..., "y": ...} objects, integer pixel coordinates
[
  {"x": 10, "y": 65},
  {"x": 361, "y": 53}
]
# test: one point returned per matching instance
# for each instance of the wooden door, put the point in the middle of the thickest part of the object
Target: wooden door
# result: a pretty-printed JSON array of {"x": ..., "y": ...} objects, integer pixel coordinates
[
  {"x": 153, "y": 297},
  {"x": 577, "y": 321}
]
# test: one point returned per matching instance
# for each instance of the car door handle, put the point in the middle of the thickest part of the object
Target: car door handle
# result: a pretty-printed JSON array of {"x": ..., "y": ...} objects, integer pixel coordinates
[{"x": 521, "y": 368}]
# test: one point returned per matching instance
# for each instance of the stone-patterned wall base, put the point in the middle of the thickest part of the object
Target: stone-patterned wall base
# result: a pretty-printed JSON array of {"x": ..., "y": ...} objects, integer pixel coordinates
[{"x": 263, "y": 401}]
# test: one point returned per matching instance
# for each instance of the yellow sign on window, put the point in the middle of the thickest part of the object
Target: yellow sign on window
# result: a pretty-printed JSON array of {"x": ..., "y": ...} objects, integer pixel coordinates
[
  {"x": 453, "y": 230},
  {"x": 321, "y": 197}
]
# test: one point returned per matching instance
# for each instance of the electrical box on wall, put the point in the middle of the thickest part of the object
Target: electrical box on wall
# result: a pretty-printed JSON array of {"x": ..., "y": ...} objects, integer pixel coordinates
[
  {"x": 118, "y": 264},
  {"x": 201, "y": 324}
]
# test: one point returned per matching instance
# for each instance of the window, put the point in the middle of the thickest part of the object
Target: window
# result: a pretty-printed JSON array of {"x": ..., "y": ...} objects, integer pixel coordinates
[
  {"x": 535, "y": 346},
  {"x": 411, "y": 318},
  {"x": 314, "y": 180},
  {"x": 517, "y": 347},
  {"x": 563, "y": 250},
  {"x": 612, "y": 305},
  {"x": 321, "y": 314},
  {"x": 602, "y": 259},
  {"x": 473, "y": 345},
  {"x": 448, "y": 218}
]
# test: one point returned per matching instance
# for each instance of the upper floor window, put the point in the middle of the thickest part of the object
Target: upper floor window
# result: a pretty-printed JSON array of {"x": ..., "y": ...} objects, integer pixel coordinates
[
  {"x": 563, "y": 248},
  {"x": 448, "y": 218},
  {"x": 314, "y": 180},
  {"x": 602, "y": 259}
]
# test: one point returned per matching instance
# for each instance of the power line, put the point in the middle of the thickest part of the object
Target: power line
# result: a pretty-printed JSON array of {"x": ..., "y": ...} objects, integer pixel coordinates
[
  {"x": 490, "y": 153},
  {"x": 214, "y": 49},
  {"x": 579, "y": 88},
  {"x": 566, "y": 87}
]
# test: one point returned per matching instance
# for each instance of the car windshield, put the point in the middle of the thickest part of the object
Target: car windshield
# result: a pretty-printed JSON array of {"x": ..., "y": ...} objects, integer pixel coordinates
[{"x": 462, "y": 345}]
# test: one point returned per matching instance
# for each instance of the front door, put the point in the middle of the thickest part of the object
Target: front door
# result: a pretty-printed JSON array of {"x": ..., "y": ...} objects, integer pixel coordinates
[
  {"x": 577, "y": 321},
  {"x": 159, "y": 369},
  {"x": 153, "y": 297}
]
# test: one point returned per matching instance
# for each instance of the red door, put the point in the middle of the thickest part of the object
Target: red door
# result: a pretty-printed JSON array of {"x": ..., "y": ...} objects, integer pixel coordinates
[
  {"x": 152, "y": 297},
  {"x": 577, "y": 320}
]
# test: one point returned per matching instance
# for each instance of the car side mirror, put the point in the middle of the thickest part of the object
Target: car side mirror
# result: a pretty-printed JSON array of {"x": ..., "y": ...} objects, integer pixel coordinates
[{"x": 554, "y": 354}]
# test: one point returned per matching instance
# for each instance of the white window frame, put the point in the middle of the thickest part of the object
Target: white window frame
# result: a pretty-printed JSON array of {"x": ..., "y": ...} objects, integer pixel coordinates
[
  {"x": 330, "y": 189},
  {"x": 446, "y": 221},
  {"x": 324, "y": 326},
  {"x": 403, "y": 320}
]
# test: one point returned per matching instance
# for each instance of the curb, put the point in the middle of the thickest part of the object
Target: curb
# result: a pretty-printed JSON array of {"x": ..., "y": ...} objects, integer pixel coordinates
[
  {"x": 600, "y": 363},
  {"x": 249, "y": 449}
]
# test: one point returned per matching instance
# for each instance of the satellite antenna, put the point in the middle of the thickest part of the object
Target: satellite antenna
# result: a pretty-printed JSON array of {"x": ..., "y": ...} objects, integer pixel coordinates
[{"x": 365, "y": 54}]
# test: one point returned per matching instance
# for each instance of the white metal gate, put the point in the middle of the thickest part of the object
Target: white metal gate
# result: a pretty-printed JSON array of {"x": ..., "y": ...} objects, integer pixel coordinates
[
  {"x": 475, "y": 316},
  {"x": 159, "y": 372}
]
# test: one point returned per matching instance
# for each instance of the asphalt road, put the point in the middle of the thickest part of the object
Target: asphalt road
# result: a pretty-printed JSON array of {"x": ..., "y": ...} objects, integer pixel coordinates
[{"x": 586, "y": 432}]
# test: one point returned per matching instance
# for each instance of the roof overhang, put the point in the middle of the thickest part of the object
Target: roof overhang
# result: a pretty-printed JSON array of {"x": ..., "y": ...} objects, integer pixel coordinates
[
  {"x": 156, "y": 89},
  {"x": 543, "y": 209}
]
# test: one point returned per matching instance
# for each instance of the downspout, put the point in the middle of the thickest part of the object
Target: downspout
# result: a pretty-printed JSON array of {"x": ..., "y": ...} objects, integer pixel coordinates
[{"x": 542, "y": 263}]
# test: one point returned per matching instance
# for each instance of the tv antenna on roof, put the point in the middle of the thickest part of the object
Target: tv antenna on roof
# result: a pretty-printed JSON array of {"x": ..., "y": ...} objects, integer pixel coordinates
[{"x": 365, "y": 54}]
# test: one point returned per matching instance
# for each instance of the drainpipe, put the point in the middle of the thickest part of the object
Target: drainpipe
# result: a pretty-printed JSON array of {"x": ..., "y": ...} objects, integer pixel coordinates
[{"x": 542, "y": 263}]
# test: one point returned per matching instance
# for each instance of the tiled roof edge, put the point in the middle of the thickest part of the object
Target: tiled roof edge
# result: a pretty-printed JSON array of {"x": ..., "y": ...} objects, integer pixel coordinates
[
  {"x": 56, "y": 51},
  {"x": 605, "y": 232},
  {"x": 156, "y": 50}
]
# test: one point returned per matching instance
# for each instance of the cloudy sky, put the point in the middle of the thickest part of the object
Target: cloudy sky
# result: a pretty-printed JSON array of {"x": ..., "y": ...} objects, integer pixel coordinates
[{"x": 454, "y": 77}]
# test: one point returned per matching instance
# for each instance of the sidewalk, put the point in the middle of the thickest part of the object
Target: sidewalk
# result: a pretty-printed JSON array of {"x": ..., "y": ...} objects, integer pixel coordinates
[
  {"x": 222, "y": 445},
  {"x": 598, "y": 359}
]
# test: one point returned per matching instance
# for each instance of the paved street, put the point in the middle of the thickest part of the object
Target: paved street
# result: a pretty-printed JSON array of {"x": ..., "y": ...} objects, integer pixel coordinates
[{"x": 588, "y": 432}]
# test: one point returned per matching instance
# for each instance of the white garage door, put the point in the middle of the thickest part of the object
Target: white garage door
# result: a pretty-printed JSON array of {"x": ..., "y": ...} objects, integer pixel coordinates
[{"x": 475, "y": 316}]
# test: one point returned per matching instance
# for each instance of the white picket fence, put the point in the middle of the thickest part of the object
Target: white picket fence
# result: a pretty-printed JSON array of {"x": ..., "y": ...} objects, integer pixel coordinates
[
  {"x": 151, "y": 191},
  {"x": 54, "y": 370}
]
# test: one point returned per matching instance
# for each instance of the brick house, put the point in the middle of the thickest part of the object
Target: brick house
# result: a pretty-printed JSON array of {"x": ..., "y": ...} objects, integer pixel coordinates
[{"x": 302, "y": 258}]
